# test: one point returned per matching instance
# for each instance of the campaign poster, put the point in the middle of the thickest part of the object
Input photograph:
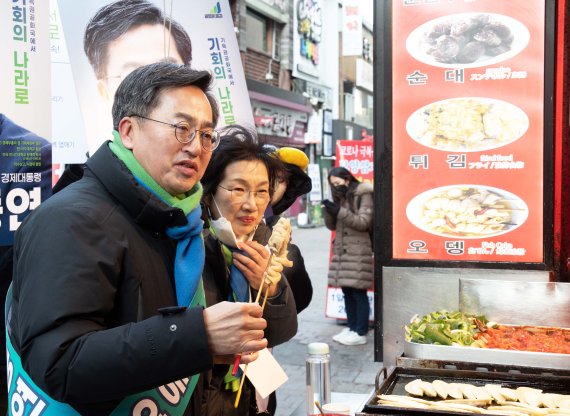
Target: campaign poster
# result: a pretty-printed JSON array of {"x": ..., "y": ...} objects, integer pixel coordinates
[
  {"x": 358, "y": 158},
  {"x": 199, "y": 34},
  {"x": 67, "y": 121},
  {"x": 468, "y": 123},
  {"x": 25, "y": 122}
]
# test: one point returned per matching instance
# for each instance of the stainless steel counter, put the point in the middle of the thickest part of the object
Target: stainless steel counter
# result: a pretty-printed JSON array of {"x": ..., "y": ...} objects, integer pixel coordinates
[
  {"x": 419, "y": 290},
  {"x": 486, "y": 355}
]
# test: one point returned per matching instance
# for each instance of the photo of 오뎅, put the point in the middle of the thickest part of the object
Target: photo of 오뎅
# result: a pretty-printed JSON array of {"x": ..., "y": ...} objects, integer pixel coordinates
[{"x": 467, "y": 211}]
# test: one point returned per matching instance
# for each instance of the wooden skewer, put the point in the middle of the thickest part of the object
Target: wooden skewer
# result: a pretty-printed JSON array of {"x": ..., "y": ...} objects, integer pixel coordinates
[
  {"x": 238, "y": 357},
  {"x": 236, "y": 362},
  {"x": 259, "y": 291},
  {"x": 238, "y": 395},
  {"x": 265, "y": 297},
  {"x": 264, "y": 273}
]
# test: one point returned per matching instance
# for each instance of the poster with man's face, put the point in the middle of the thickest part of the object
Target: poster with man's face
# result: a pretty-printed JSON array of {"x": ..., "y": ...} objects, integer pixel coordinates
[{"x": 106, "y": 40}]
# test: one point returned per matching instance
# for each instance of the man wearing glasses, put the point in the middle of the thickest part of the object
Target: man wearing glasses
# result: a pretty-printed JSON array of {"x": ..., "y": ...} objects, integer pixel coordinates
[{"x": 106, "y": 313}]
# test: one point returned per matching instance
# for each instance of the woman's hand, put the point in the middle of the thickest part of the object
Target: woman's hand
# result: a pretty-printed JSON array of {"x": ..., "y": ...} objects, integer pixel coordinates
[
  {"x": 331, "y": 207},
  {"x": 254, "y": 264}
]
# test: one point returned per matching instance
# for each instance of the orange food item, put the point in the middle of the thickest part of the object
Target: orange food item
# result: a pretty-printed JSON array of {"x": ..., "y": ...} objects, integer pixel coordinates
[{"x": 527, "y": 338}]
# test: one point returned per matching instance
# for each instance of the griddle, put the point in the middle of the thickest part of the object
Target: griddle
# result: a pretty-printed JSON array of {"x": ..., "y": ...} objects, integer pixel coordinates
[{"x": 393, "y": 380}]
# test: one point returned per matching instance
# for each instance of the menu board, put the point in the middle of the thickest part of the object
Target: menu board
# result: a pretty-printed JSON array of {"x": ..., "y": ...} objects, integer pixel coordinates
[{"x": 468, "y": 140}]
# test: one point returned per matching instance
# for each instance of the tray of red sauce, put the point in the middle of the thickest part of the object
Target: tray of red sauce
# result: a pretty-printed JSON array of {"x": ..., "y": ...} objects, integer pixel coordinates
[
  {"x": 524, "y": 345},
  {"x": 527, "y": 338}
]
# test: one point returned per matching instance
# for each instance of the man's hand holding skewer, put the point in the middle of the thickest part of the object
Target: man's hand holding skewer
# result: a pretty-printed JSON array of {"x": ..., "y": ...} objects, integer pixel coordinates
[{"x": 232, "y": 328}]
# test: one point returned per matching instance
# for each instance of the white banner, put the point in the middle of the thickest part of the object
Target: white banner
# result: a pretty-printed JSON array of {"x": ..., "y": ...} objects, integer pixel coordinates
[
  {"x": 335, "y": 303},
  {"x": 314, "y": 173},
  {"x": 67, "y": 122},
  {"x": 351, "y": 29},
  {"x": 25, "y": 120},
  {"x": 24, "y": 72}
]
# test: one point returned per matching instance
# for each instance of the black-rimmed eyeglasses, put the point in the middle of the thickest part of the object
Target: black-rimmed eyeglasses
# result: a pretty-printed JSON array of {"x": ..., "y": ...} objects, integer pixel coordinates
[{"x": 185, "y": 133}]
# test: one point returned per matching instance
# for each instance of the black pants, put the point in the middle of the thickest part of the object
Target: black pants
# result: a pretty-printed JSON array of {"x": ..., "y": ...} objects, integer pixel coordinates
[{"x": 357, "y": 309}]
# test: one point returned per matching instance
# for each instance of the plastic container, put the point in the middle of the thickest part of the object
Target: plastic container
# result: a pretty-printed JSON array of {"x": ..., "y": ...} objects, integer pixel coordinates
[
  {"x": 336, "y": 408},
  {"x": 318, "y": 382}
]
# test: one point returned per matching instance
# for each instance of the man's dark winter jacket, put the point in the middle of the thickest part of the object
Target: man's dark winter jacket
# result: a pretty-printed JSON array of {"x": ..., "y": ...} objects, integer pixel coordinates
[{"x": 93, "y": 268}]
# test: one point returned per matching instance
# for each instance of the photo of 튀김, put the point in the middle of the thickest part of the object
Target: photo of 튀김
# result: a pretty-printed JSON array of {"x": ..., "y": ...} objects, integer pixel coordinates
[
  {"x": 467, "y": 211},
  {"x": 467, "y": 40},
  {"x": 467, "y": 124}
]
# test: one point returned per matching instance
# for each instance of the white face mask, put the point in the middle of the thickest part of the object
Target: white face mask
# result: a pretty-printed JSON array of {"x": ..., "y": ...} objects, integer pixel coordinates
[{"x": 223, "y": 229}]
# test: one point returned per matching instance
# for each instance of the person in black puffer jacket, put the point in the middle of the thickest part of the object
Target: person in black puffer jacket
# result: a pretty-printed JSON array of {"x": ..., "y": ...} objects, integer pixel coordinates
[{"x": 292, "y": 184}]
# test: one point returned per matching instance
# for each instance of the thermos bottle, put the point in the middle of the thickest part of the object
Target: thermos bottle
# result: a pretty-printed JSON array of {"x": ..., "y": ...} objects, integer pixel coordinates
[{"x": 318, "y": 376}]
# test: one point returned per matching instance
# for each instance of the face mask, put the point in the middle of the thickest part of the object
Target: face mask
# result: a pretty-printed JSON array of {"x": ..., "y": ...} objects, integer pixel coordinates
[
  {"x": 341, "y": 189},
  {"x": 223, "y": 229}
]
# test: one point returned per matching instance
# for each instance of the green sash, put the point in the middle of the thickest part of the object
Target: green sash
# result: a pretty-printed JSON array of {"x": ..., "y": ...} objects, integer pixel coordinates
[{"x": 25, "y": 398}]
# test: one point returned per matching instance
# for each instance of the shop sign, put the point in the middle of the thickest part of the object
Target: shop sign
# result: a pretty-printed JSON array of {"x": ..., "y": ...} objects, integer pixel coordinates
[
  {"x": 308, "y": 27},
  {"x": 318, "y": 92},
  {"x": 299, "y": 131},
  {"x": 468, "y": 122},
  {"x": 279, "y": 121}
]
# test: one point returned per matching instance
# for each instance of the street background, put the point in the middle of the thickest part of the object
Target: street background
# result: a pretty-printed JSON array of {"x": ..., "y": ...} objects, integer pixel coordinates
[{"x": 353, "y": 369}]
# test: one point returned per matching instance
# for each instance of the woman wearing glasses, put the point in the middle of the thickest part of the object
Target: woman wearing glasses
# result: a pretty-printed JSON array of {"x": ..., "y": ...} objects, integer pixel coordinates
[{"x": 238, "y": 185}]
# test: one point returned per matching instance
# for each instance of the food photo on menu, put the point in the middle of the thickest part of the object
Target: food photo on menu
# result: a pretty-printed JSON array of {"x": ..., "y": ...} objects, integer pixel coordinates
[
  {"x": 467, "y": 40},
  {"x": 468, "y": 124},
  {"x": 467, "y": 211}
]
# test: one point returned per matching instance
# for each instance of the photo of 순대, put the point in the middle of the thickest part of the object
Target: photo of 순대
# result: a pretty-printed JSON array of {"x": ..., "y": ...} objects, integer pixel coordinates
[{"x": 467, "y": 40}]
